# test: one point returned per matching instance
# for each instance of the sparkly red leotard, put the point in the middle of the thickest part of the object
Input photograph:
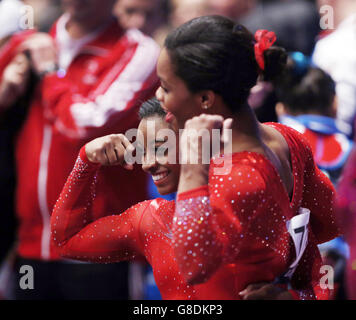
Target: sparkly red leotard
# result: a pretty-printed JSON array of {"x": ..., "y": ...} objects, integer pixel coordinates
[
  {"x": 241, "y": 218},
  {"x": 143, "y": 231},
  {"x": 233, "y": 231}
]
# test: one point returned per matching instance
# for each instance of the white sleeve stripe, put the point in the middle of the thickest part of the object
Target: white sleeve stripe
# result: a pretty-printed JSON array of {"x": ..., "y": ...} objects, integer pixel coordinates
[
  {"x": 121, "y": 91},
  {"x": 113, "y": 74}
]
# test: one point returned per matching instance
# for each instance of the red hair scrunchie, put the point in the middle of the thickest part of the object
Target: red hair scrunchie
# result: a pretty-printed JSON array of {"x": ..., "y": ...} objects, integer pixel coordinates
[{"x": 264, "y": 40}]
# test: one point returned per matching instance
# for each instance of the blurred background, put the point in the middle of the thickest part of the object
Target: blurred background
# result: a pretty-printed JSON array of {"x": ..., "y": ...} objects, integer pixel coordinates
[{"x": 317, "y": 34}]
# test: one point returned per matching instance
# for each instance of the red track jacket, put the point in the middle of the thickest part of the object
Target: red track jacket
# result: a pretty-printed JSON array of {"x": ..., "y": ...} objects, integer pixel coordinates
[{"x": 99, "y": 93}]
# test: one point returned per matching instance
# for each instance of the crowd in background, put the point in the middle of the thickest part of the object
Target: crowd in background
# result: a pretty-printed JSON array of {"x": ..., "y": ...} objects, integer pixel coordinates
[{"x": 316, "y": 95}]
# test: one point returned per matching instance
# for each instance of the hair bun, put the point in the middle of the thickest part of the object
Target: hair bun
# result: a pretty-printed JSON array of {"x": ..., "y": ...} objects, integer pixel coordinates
[{"x": 275, "y": 63}]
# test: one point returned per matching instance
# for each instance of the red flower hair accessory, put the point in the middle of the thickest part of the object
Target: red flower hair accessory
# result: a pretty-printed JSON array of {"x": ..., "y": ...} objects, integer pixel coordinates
[{"x": 264, "y": 40}]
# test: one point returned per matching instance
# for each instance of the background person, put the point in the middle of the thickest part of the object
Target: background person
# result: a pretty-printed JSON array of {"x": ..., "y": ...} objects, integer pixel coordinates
[
  {"x": 335, "y": 54},
  {"x": 145, "y": 15},
  {"x": 307, "y": 103},
  {"x": 94, "y": 75},
  {"x": 17, "y": 81},
  {"x": 295, "y": 22}
]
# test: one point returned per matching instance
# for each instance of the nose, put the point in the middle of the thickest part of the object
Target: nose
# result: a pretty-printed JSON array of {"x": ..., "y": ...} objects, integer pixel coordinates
[
  {"x": 149, "y": 164},
  {"x": 159, "y": 94}
]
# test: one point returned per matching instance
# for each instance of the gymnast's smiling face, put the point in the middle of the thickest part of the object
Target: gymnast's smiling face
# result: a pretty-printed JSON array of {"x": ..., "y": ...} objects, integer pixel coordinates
[{"x": 158, "y": 142}]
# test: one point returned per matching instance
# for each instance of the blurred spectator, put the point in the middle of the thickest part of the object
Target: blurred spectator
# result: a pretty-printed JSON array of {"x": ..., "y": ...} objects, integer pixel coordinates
[
  {"x": 185, "y": 10},
  {"x": 15, "y": 74},
  {"x": 94, "y": 88},
  {"x": 335, "y": 54},
  {"x": 145, "y": 15},
  {"x": 295, "y": 22},
  {"x": 307, "y": 103},
  {"x": 233, "y": 9},
  {"x": 180, "y": 12},
  {"x": 346, "y": 213}
]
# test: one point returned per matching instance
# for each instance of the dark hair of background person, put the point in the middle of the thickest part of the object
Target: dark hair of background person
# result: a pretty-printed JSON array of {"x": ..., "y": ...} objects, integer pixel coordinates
[
  {"x": 308, "y": 90},
  {"x": 151, "y": 107},
  {"x": 212, "y": 53}
]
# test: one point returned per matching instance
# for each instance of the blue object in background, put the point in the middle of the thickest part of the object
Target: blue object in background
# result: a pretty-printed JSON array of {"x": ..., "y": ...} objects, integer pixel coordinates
[{"x": 153, "y": 193}]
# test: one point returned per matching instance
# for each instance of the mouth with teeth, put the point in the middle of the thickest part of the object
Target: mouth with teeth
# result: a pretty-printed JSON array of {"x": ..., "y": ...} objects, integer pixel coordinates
[{"x": 159, "y": 177}]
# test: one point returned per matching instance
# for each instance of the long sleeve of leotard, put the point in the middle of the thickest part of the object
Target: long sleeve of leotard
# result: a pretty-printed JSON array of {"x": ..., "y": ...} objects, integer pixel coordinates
[
  {"x": 227, "y": 220},
  {"x": 110, "y": 239},
  {"x": 196, "y": 246},
  {"x": 205, "y": 237},
  {"x": 213, "y": 222}
]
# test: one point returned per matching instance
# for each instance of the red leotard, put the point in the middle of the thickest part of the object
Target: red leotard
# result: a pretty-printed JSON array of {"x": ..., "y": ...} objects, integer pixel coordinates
[
  {"x": 146, "y": 230},
  {"x": 143, "y": 231},
  {"x": 242, "y": 216}
]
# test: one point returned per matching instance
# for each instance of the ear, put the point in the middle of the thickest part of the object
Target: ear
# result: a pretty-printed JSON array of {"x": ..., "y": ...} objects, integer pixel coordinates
[
  {"x": 206, "y": 99},
  {"x": 281, "y": 109}
]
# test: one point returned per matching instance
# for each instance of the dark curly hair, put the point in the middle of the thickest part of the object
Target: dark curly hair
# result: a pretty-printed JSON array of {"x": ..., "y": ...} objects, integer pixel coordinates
[
  {"x": 151, "y": 108},
  {"x": 212, "y": 53},
  {"x": 310, "y": 89}
]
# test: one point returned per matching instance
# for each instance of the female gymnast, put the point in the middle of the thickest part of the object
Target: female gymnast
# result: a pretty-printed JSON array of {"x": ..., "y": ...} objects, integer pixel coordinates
[
  {"x": 267, "y": 214},
  {"x": 259, "y": 222}
]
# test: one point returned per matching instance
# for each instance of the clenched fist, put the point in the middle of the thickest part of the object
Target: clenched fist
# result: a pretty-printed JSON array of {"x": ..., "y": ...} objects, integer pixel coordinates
[
  {"x": 194, "y": 142},
  {"x": 110, "y": 150}
]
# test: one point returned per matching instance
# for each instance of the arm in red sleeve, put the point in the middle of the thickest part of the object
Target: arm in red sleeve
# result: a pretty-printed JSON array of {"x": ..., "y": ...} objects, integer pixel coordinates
[
  {"x": 196, "y": 247},
  {"x": 211, "y": 223},
  {"x": 77, "y": 236}
]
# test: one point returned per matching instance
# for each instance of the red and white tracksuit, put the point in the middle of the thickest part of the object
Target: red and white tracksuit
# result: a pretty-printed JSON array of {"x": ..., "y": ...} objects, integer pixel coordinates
[{"x": 103, "y": 80}]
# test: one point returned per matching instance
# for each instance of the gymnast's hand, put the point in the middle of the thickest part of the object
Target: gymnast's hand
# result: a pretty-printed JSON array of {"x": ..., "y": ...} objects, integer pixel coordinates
[
  {"x": 110, "y": 150},
  {"x": 197, "y": 148},
  {"x": 193, "y": 129}
]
